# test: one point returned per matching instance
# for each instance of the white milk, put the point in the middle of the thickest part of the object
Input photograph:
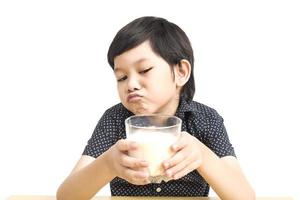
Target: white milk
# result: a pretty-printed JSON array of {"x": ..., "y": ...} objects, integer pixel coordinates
[{"x": 154, "y": 147}]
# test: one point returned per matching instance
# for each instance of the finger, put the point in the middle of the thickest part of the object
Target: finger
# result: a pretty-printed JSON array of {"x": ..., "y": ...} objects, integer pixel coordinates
[
  {"x": 125, "y": 145},
  {"x": 180, "y": 143},
  {"x": 139, "y": 177},
  {"x": 192, "y": 160},
  {"x": 178, "y": 167},
  {"x": 177, "y": 158},
  {"x": 132, "y": 162},
  {"x": 189, "y": 168}
]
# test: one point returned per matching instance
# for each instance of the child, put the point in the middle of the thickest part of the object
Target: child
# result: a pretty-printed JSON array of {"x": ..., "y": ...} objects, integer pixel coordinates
[{"x": 153, "y": 63}]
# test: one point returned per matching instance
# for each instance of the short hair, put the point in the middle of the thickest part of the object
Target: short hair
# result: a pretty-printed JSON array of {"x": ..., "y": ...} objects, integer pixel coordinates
[{"x": 166, "y": 39}]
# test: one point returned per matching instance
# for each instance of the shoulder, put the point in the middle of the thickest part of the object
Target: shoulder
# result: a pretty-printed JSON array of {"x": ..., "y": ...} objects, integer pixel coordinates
[
  {"x": 203, "y": 111},
  {"x": 116, "y": 112},
  {"x": 207, "y": 125},
  {"x": 114, "y": 116},
  {"x": 111, "y": 123},
  {"x": 202, "y": 118}
]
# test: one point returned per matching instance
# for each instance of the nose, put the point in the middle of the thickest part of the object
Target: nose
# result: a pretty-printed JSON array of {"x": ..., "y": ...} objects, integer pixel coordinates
[{"x": 133, "y": 84}]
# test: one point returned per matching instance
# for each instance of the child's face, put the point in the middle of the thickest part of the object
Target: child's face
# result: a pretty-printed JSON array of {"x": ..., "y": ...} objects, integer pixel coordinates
[{"x": 145, "y": 82}]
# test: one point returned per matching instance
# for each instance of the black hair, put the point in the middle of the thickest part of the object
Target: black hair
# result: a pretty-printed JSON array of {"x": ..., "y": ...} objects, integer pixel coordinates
[{"x": 166, "y": 39}]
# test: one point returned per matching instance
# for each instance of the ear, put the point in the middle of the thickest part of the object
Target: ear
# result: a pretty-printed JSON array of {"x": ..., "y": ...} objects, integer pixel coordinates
[{"x": 182, "y": 72}]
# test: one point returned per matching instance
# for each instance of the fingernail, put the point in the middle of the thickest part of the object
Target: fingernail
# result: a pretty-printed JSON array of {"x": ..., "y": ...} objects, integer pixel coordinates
[
  {"x": 166, "y": 165},
  {"x": 169, "y": 173},
  {"x": 134, "y": 145},
  {"x": 174, "y": 147}
]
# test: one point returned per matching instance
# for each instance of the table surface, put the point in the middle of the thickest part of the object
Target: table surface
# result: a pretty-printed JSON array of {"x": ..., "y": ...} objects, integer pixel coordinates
[{"x": 137, "y": 198}]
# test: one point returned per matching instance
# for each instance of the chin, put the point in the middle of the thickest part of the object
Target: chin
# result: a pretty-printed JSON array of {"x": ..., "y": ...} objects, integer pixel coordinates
[{"x": 140, "y": 110}]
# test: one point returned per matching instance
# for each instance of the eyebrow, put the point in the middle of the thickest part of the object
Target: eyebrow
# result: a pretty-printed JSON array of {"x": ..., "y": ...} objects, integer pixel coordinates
[{"x": 136, "y": 62}]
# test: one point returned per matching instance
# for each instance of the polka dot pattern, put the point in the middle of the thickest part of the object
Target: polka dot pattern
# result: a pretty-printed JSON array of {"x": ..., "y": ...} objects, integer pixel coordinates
[{"x": 199, "y": 120}]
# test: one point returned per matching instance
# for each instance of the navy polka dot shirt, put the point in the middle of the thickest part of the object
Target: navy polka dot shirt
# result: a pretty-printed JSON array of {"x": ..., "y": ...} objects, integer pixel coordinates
[{"x": 199, "y": 120}]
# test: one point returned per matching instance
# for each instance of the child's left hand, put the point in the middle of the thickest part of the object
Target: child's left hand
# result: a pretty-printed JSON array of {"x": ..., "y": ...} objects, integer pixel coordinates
[{"x": 187, "y": 158}]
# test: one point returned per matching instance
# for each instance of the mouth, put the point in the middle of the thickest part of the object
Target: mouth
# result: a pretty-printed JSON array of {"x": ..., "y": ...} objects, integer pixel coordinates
[{"x": 133, "y": 98}]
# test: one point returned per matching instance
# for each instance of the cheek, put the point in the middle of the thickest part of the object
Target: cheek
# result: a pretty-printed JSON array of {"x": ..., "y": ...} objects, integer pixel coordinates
[
  {"x": 121, "y": 92},
  {"x": 163, "y": 88}
]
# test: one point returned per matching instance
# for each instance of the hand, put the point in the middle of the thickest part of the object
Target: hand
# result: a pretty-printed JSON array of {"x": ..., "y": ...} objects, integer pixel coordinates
[
  {"x": 133, "y": 170},
  {"x": 187, "y": 158}
]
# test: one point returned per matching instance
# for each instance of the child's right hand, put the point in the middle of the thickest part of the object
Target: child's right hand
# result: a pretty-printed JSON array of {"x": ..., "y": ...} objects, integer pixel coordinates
[{"x": 133, "y": 170}]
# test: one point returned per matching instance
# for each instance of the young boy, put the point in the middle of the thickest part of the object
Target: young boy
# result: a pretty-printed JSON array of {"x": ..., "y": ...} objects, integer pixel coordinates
[{"x": 153, "y": 62}]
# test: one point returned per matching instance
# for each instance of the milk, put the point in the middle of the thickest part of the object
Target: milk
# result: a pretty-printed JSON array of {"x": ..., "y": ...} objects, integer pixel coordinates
[
  {"x": 155, "y": 147},
  {"x": 154, "y": 134}
]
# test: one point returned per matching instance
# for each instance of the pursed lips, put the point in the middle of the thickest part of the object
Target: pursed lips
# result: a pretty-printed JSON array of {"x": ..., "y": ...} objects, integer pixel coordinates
[{"x": 133, "y": 97}]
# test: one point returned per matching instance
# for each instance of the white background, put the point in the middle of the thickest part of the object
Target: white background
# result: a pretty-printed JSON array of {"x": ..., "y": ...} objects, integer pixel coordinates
[{"x": 55, "y": 83}]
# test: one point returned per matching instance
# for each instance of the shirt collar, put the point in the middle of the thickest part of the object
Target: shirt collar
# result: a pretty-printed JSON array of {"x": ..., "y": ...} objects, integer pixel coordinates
[{"x": 183, "y": 108}]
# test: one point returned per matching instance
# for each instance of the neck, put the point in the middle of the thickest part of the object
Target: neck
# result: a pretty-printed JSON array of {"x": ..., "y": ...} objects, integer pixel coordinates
[{"x": 170, "y": 107}]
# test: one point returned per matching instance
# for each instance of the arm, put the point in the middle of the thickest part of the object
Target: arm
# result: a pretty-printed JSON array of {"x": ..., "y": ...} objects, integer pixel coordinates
[
  {"x": 225, "y": 176},
  {"x": 90, "y": 174},
  {"x": 222, "y": 174}
]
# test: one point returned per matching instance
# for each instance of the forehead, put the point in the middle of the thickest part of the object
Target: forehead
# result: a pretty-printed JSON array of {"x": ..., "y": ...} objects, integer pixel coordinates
[{"x": 139, "y": 54}]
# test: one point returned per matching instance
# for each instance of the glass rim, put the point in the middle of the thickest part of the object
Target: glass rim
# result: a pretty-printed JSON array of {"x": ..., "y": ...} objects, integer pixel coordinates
[{"x": 152, "y": 115}]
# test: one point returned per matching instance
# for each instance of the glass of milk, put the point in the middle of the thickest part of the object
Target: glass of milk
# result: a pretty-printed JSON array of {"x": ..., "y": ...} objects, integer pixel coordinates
[{"x": 154, "y": 134}]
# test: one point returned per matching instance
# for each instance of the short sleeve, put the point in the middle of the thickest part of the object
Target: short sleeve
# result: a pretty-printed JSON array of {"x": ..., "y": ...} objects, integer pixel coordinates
[
  {"x": 102, "y": 137},
  {"x": 216, "y": 137}
]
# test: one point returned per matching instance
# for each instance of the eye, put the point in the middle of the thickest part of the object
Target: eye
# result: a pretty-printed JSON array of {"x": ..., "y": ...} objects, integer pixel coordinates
[
  {"x": 122, "y": 79},
  {"x": 146, "y": 70}
]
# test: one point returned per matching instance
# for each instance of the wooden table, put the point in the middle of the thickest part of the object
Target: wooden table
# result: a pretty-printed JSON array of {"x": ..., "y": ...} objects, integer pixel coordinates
[{"x": 137, "y": 198}]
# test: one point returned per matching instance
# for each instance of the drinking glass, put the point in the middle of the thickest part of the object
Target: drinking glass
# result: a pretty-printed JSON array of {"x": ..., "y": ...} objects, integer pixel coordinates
[{"x": 154, "y": 135}]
